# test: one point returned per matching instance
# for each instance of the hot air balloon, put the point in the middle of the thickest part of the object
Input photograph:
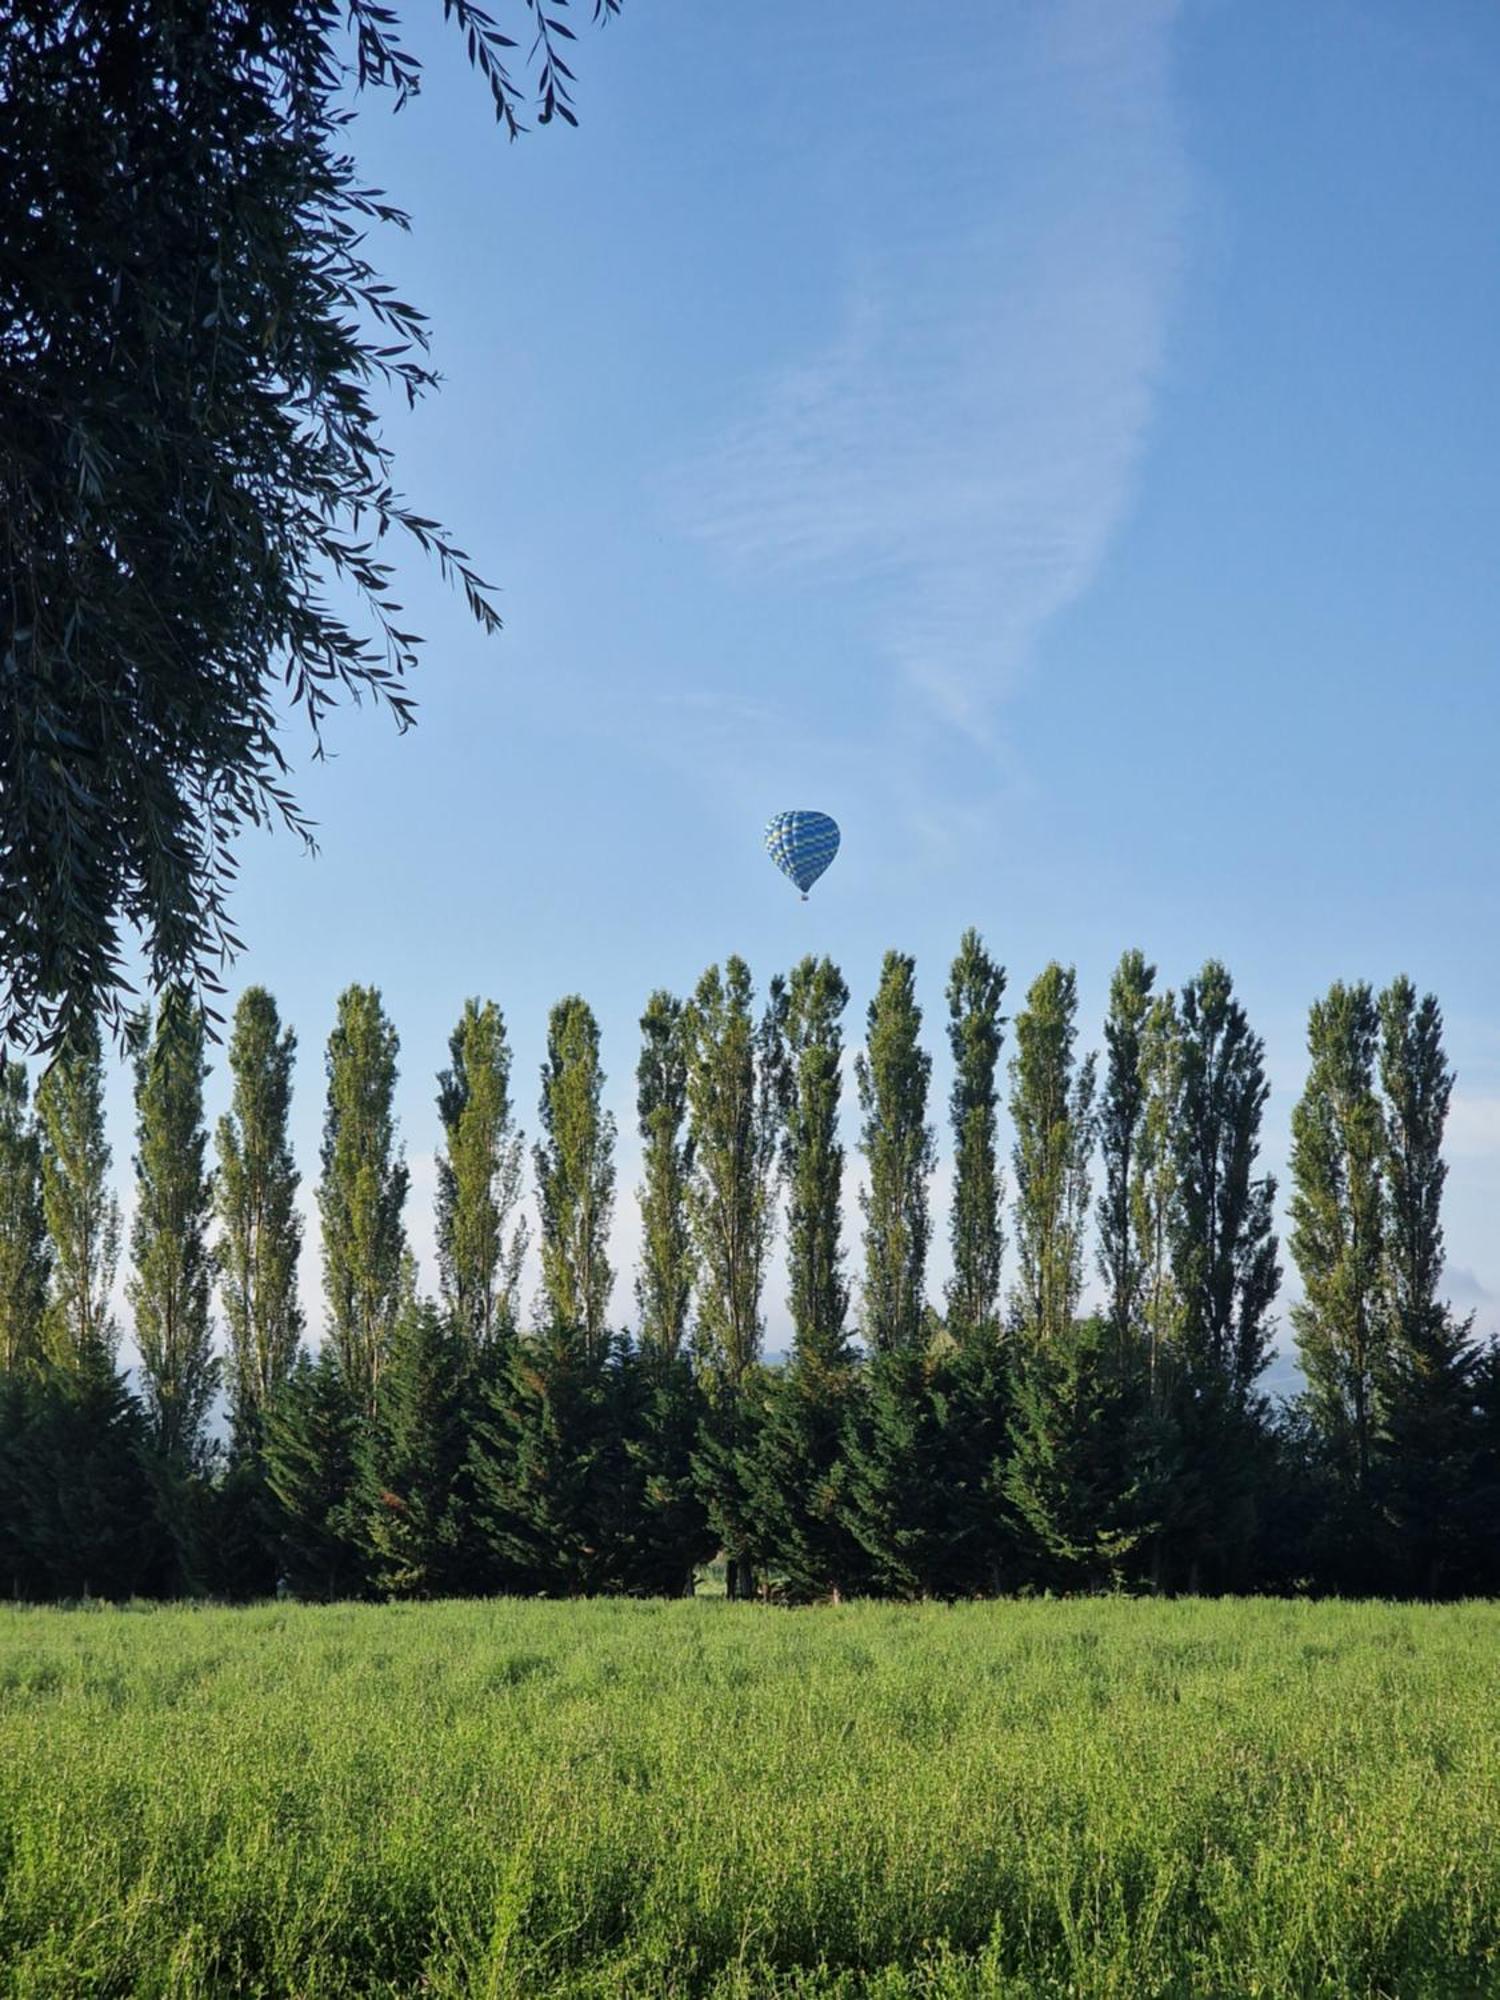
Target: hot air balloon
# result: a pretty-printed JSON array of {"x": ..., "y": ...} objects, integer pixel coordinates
[{"x": 802, "y": 844}]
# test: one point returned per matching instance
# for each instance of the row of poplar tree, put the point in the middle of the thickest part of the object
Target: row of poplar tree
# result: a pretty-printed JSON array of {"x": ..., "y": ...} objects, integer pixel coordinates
[{"x": 1008, "y": 1441}]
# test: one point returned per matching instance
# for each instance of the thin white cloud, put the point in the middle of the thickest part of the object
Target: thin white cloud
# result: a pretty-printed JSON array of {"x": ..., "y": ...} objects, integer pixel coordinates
[{"x": 966, "y": 443}]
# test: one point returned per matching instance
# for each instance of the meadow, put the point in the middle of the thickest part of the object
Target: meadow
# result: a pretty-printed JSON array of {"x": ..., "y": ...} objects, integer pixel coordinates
[{"x": 1084, "y": 1798}]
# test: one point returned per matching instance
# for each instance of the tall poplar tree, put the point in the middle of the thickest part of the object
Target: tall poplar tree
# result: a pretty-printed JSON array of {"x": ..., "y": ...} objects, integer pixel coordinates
[
  {"x": 813, "y": 1159},
  {"x": 82, "y": 1215},
  {"x": 1338, "y": 1146},
  {"x": 1430, "y": 1439},
  {"x": 898, "y": 1447},
  {"x": 796, "y": 1479},
  {"x": 976, "y": 1029},
  {"x": 480, "y": 1247},
  {"x": 1052, "y": 1108},
  {"x": 664, "y": 1283},
  {"x": 575, "y": 1177},
  {"x": 171, "y": 1284},
  {"x": 735, "y": 1092},
  {"x": 546, "y": 1458},
  {"x": 1154, "y": 1196},
  {"x": 893, "y": 1072},
  {"x": 1121, "y": 1115},
  {"x": 260, "y": 1230},
  {"x": 664, "y": 1419},
  {"x": 362, "y": 1192},
  {"x": 974, "y": 1398},
  {"x": 1212, "y": 1325},
  {"x": 1227, "y": 1267},
  {"x": 25, "y": 1260}
]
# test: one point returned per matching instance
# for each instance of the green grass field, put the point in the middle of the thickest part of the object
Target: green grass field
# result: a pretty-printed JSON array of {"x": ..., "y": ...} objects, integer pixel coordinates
[{"x": 1078, "y": 1799}]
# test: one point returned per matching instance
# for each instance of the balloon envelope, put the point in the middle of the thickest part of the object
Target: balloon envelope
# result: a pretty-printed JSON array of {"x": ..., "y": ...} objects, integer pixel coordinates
[{"x": 802, "y": 844}]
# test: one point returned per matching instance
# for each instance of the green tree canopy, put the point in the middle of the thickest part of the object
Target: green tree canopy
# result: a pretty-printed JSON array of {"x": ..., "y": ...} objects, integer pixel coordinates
[
  {"x": 1338, "y": 1144},
  {"x": 1226, "y": 1252},
  {"x": 1121, "y": 1114},
  {"x": 193, "y": 477},
  {"x": 1430, "y": 1435},
  {"x": 893, "y": 1072},
  {"x": 813, "y": 1159},
  {"x": 575, "y": 1177},
  {"x": 664, "y": 1283},
  {"x": 83, "y": 1217},
  {"x": 480, "y": 1246},
  {"x": 1052, "y": 1107},
  {"x": 362, "y": 1194},
  {"x": 171, "y": 1284},
  {"x": 25, "y": 1259},
  {"x": 734, "y": 1097},
  {"x": 976, "y": 1028},
  {"x": 255, "y": 1188}
]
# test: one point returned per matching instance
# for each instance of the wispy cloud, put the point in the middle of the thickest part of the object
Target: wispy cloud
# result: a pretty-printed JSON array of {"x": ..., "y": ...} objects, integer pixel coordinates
[{"x": 965, "y": 443}]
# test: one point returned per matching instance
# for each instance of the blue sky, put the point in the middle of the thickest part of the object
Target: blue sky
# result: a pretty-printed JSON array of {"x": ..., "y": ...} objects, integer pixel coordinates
[{"x": 1059, "y": 440}]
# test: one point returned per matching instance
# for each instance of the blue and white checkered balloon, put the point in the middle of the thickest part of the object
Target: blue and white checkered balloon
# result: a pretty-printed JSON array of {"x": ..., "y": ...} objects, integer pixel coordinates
[{"x": 802, "y": 844}]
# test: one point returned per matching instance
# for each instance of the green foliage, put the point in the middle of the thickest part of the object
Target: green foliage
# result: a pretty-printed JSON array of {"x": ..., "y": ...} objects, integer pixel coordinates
[
  {"x": 412, "y": 1489},
  {"x": 726, "y": 1469},
  {"x": 893, "y": 1073},
  {"x": 311, "y": 1457},
  {"x": 193, "y": 473},
  {"x": 813, "y": 1159},
  {"x": 260, "y": 1230},
  {"x": 947, "y": 1460},
  {"x": 660, "y": 1412},
  {"x": 975, "y": 1410},
  {"x": 1202, "y": 1221},
  {"x": 664, "y": 1284},
  {"x": 480, "y": 1247},
  {"x": 82, "y": 1216},
  {"x": 793, "y": 1473},
  {"x": 1080, "y": 1472},
  {"x": 734, "y": 1094},
  {"x": 575, "y": 1177},
  {"x": 1052, "y": 1108},
  {"x": 79, "y": 1508},
  {"x": 797, "y": 1479},
  {"x": 976, "y": 1029},
  {"x": 546, "y": 1465},
  {"x": 363, "y": 1191},
  {"x": 237, "y": 1554},
  {"x": 897, "y": 1502},
  {"x": 1428, "y": 1428},
  {"x": 1483, "y": 1542},
  {"x": 1338, "y": 1142},
  {"x": 1128, "y": 1082},
  {"x": 1155, "y": 1188},
  {"x": 1227, "y": 1272},
  {"x": 172, "y": 1275},
  {"x": 25, "y": 1258}
]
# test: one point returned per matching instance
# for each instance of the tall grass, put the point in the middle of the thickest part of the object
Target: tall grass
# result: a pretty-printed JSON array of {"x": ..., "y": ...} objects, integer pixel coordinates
[{"x": 1082, "y": 1799}]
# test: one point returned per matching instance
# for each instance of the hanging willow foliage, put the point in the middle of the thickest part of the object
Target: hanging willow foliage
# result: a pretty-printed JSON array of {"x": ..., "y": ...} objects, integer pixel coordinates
[{"x": 194, "y": 488}]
